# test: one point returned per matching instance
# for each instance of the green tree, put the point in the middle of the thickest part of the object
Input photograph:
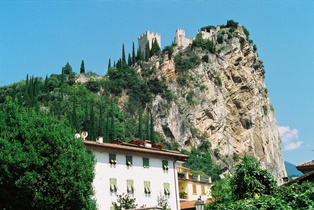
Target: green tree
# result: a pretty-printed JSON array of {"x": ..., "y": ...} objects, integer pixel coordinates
[
  {"x": 123, "y": 57},
  {"x": 155, "y": 48},
  {"x": 124, "y": 202},
  {"x": 133, "y": 54},
  {"x": 139, "y": 56},
  {"x": 140, "y": 124},
  {"x": 250, "y": 181},
  {"x": 147, "y": 52},
  {"x": 169, "y": 50},
  {"x": 67, "y": 69},
  {"x": 129, "y": 60},
  {"x": 42, "y": 165},
  {"x": 109, "y": 63},
  {"x": 82, "y": 69},
  {"x": 222, "y": 190}
]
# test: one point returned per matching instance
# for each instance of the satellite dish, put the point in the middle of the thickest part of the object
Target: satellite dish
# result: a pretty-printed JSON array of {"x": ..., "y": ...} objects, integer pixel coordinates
[
  {"x": 77, "y": 136},
  {"x": 84, "y": 135}
]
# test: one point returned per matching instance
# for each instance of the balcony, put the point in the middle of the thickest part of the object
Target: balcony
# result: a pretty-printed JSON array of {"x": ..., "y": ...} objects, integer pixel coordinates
[{"x": 187, "y": 174}]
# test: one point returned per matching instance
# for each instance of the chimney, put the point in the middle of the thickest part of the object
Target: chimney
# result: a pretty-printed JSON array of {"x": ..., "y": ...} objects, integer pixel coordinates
[
  {"x": 100, "y": 140},
  {"x": 148, "y": 144}
]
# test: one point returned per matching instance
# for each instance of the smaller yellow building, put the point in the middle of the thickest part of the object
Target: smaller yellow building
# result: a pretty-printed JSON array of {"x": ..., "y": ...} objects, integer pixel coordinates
[{"x": 193, "y": 186}]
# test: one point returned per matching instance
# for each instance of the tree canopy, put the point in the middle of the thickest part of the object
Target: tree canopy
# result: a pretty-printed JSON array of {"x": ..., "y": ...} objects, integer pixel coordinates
[
  {"x": 250, "y": 181},
  {"x": 42, "y": 165}
]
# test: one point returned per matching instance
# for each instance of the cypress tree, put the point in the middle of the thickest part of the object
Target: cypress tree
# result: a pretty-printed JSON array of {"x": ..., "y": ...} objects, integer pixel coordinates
[
  {"x": 139, "y": 56},
  {"x": 155, "y": 48},
  {"x": 74, "y": 115},
  {"x": 152, "y": 128},
  {"x": 123, "y": 57},
  {"x": 129, "y": 60},
  {"x": 112, "y": 128},
  {"x": 109, "y": 63},
  {"x": 107, "y": 137},
  {"x": 67, "y": 69},
  {"x": 147, "y": 129},
  {"x": 133, "y": 54},
  {"x": 101, "y": 126},
  {"x": 147, "y": 52},
  {"x": 119, "y": 65},
  {"x": 86, "y": 121},
  {"x": 46, "y": 87},
  {"x": 82, "y": 69},
  {"x": 92, "y": 124},
  {"x": 140, "y": 124}
]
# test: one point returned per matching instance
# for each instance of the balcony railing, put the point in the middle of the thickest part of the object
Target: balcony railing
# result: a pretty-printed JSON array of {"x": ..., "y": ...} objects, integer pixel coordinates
[{"x": 194, "y": 177}]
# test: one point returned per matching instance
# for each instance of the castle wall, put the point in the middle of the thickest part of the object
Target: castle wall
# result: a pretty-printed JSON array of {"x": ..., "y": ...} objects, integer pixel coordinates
[
  {"x": 181, "y": 40},
  {"x": 148, "y": 37}
]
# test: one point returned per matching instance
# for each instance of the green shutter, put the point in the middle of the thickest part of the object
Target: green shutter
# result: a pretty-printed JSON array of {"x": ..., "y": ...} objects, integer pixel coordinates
[
  {"x": 130, "y": 186},
  {"x": 147, "y": 188},
  {"x": 113, "y": 185},
  {"x": 129, "y": 160},
  {"x": 167, "y": 188},
  {"x": 112, "y": 159},
  {"x": 145, "y": 162},
  {"x": 165, "y": 165}
]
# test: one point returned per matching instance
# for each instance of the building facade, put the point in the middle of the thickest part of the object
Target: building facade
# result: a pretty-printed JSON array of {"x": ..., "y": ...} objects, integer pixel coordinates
[{"x": 141, "y": 171}]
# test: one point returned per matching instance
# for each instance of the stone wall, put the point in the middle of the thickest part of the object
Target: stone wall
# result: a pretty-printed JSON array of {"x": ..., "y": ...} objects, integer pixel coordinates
[{"x": 148, "y": 37}]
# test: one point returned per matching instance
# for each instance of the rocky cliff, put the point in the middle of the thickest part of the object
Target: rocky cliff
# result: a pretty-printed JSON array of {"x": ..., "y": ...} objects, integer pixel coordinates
[{"x": 220, "y": 97}]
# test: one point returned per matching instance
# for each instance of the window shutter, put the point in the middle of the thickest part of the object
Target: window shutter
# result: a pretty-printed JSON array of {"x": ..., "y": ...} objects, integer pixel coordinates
[
  {"x": 112, "y": 159},
  {"x": 194, "y": 189},
  {"x": 167, "y": 188},
  {"x": 113, "y": 185},
  {"x": 147, "y": 188},
  {"x": 129, "y": 160},
  {"x": 145, "y": 162},
  {"x": 165, "y": 165},
  {"x": 130, "y": 188}
]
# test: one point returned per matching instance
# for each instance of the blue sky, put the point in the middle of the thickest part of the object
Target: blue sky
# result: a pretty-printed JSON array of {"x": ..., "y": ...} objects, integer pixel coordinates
[{"x": 39, "y": 37}]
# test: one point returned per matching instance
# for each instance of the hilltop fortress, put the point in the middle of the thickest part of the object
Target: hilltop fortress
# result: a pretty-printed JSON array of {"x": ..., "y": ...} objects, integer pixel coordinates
[
  {"x": 148, "y": 37},
  {"x": 180, "y": 38}
]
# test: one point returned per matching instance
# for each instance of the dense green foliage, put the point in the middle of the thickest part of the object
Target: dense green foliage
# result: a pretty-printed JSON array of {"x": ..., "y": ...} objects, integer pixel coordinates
[
  {"x": 42, "y": 165},
  {"x": 201, "y": 160},
  {"x": 249, "y": 180},
  {"x": 205, "y": 44},
  {"x": 291, "y": 197},
  {"x": 254, "y": 188}
]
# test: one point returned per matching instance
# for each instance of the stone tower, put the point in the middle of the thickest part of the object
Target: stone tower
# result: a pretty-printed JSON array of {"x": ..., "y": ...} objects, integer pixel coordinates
[
  {"x": 148, "y": 37},
  {"x": 181, "y": 40}
]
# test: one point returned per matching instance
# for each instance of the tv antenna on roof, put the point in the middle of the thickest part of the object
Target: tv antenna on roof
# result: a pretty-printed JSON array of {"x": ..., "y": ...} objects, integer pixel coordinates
[{"x": 84, "y": 135}]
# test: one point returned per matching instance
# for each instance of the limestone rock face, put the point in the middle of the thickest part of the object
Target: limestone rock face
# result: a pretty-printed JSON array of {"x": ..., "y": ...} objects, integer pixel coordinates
[{"x": 225, "y": 101}]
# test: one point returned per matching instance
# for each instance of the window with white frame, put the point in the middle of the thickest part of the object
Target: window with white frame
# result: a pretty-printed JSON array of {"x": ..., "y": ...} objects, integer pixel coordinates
[
  {"x": 130, "y": 186},
  {"x": 167, "y": 188},
  {"x": 113, "y": 185},
  {"x": 147, "y": 188}
]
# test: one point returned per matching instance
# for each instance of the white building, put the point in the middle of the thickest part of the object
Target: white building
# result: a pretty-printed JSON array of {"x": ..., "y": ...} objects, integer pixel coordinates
[{"x": 143, "y": 171}]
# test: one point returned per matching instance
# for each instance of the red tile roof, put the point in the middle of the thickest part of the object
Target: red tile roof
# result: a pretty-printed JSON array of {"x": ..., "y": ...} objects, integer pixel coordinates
[
  {"x": 119, "y": 145},
  {"x": 190, "y": 204},
  {"x": 306, "y": 164}
]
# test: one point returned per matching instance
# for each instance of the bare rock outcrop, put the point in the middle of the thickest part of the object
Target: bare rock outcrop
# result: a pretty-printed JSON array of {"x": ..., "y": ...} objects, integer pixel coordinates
[{"x": 226, "y": 101}]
